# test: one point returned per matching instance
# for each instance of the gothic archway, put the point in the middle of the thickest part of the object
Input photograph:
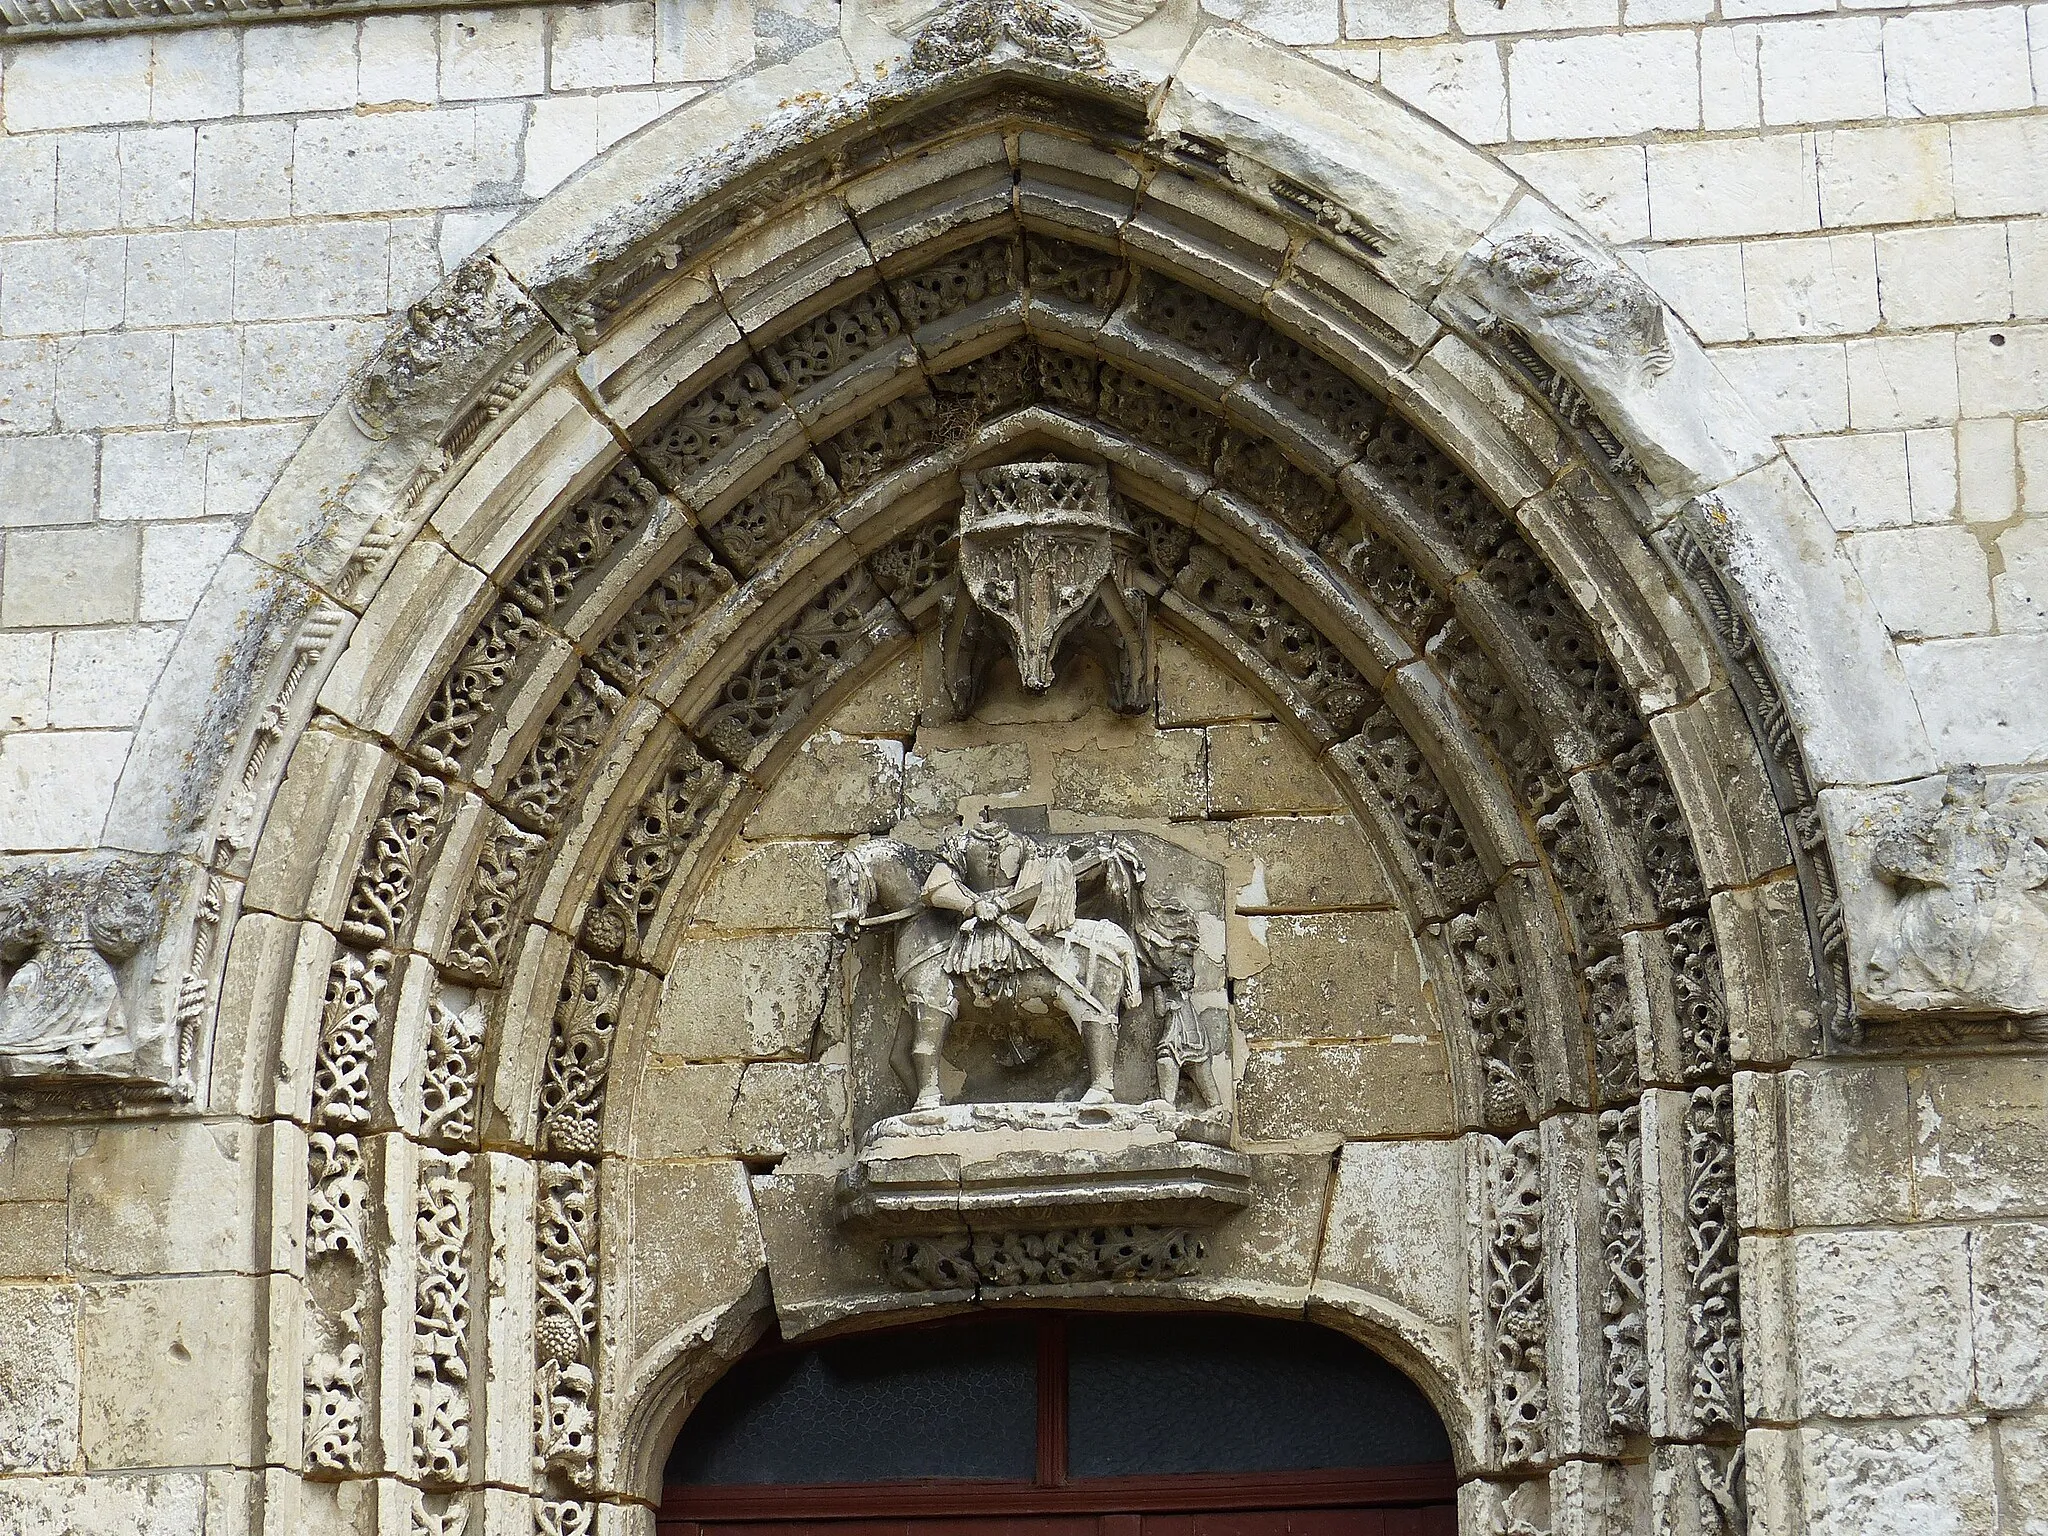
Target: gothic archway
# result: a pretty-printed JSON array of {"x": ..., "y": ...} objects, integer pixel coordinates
[{"x": 641, "y": 524}]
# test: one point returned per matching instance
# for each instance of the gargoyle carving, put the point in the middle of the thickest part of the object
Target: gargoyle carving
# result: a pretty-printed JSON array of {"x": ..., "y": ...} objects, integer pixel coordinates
[{"x": 1046, "y": 558}]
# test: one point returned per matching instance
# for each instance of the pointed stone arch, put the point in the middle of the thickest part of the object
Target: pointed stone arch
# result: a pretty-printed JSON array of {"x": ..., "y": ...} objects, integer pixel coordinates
[{"x": 624, "y": 510}]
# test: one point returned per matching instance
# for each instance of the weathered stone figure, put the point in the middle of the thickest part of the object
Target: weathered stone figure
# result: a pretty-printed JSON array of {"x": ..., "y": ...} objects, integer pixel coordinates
[
  {"x": 1971, "y": 924},
  {"x": 960, "y": 929}
]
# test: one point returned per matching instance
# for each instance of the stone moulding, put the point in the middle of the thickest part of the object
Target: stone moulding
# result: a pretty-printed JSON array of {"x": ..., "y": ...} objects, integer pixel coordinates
[
  {"x": 1068, "y": 1167},
  {"x": 1370, "y": 587}
]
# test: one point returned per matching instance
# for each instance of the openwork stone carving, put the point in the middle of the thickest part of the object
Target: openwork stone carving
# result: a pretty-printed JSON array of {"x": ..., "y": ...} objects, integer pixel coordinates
[
  {"x": 1045, "y": 559},
  {"x": 786, "y": 502},
  {"x": 440, "y": 1335},
  {"x": 1611, "y": 1012},
  {"x": 1516, "y": 1314},
  {"x": 988, "y": 30},
  {"x": 74, "y": 1004},
  {"x": 1622, "y": 1314},
  {"x": 710, "y": 423},
  {"x": 348, "y": 1036},
  {"x": 565, "y": 1324},
  {"x": 550, "y": 579},
  {"x": 1968, "y": 930},
  {"x": 1416, "y": 803},
  {"x": 1702, "y": 1002},
  {"x": 579, "y": 1056},
  {"x": 829, "y": 637},
  {"x": 631, "y": 649},
  {"x": 467, "y": 694},
  {"x": 1334, "y": 696},
  {"x": 1498, "y": 1012},
  {"x": 1715, "y": 1328},
  {"x": 662, "y": 827},
  {"x": 380, "y": 901},
  {"x": 448, "y": 1082},
  {"x": 995, "y": 1260},
  {"x": 334, "y": 1409},
  {"x": 574, "y": 730},
  {"x": 478, "y": 945},
  {"x": 336, "y": 1189}
]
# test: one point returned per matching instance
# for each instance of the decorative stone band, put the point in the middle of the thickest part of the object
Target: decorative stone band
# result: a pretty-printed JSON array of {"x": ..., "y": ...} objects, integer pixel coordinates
[{"x": 957, "y": 1261}]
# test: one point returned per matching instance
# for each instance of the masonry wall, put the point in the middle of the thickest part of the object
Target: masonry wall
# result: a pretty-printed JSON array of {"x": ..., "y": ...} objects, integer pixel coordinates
[{"x": 201, "y": 232}]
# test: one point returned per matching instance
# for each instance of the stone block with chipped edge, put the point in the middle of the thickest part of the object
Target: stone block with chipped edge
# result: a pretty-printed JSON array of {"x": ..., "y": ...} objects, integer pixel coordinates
[
  {"x": 1255, "y": 767},
  {"x": 1336, "y": 976},
  {"x": 1305, "y": 863},
  {"x": 694, "y": 1244},
  {"x": 742, "y": 996},
  {"x": 835, "y": 786},
  {"x": 148, "y": 1198},
  {"x": 1133, "y": 773},
  {"x": 1324, "y": 1094},
  {"x": 1978, "y": 1149},
  {"x": 1396, "y": 1226},
  {"x": 1767, "y": 973}
]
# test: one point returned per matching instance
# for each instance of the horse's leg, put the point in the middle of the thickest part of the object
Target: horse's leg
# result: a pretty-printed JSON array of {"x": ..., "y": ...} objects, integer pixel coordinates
[
  {"x": 901, "y": 1060},
  {"x": 1098, "y": 1034}
]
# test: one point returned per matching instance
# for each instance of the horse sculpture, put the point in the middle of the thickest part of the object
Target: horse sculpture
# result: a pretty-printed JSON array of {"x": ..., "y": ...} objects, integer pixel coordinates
[{"x": 1087, "y": 968}]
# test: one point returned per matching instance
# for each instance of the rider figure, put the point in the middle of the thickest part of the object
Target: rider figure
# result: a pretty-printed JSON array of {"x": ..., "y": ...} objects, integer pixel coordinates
[{"x": 988, "y": 872}]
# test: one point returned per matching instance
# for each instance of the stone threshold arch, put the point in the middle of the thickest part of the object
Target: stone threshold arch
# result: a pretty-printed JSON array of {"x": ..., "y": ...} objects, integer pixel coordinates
[{"x": 660, "y": 478}]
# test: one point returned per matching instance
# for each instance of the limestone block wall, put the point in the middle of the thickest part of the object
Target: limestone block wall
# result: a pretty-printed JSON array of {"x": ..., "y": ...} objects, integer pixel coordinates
[
  {"x": 203, "y": 230},
  {"x": 200, "y": 231}
]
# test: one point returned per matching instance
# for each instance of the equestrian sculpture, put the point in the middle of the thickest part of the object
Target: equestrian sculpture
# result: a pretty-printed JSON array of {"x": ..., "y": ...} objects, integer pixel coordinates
[{"x": 991, "y": 922}]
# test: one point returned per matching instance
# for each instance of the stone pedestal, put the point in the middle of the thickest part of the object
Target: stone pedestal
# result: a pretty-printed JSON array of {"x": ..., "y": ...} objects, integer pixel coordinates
[{"x": 977, "y": 1196}]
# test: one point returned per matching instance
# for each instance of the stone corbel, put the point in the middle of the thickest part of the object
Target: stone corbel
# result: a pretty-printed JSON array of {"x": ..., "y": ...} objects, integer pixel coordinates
[
  {"x": 1609, "y": 351},
  {"x": 97, "y": 1007},
  {"x": 1046, "y": 563},
  {"x": 1945, "y": 895}
]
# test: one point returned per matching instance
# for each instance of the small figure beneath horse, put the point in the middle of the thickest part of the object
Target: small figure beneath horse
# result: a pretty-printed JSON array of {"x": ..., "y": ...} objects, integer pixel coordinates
[{"x": 993, "y": 922}]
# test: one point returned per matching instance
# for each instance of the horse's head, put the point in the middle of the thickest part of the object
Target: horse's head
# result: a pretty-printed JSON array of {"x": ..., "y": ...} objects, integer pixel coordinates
[{"x": 849, "y": 889}]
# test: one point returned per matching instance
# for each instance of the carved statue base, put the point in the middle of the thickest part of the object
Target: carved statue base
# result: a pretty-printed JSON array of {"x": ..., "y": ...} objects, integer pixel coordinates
[{"x": 1043, "y": 1169}]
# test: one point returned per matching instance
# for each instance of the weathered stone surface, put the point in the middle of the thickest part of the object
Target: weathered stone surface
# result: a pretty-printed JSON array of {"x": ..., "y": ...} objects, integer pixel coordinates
[
  {"x": 1979, "y": 1150},
  {"x": 1135, "y": 775},
  {"x": 744, "y": 996},
  {"x": 2008, "y": 1300},
  {"x": 755, "y": 1110},
  {"x": 1304, "y": 863},
  {"x": 162, "y": 1199},
  {"x": 693, "y": 1241},
  {"x": 1256, "y": 767},
  {"x": 835, "y": 785},
  {"x": 190, "y": 1341},
  {"x": 1194, "y": 690},
  {"x": 1882, "y": 1322},
  {"x": 1396, "y": 1225},
  {"x": 938, "y": 779},
  {"x": 1274, "y": 1243},
  {"x": 768, "y": 885},
  {"x": 1335, "y": 976},
  {"x": 1849, "y": 1143},
  {"x": 1326, "y": 1093},
  {"x": 145, "y": 1503},
  {"x": 1928, "y": 1479},
  {"x": 38, "y": 1379}
]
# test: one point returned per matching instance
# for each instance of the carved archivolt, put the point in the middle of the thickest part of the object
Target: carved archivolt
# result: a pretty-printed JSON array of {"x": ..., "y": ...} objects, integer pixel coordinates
[{"x": 788, "y": 516}]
